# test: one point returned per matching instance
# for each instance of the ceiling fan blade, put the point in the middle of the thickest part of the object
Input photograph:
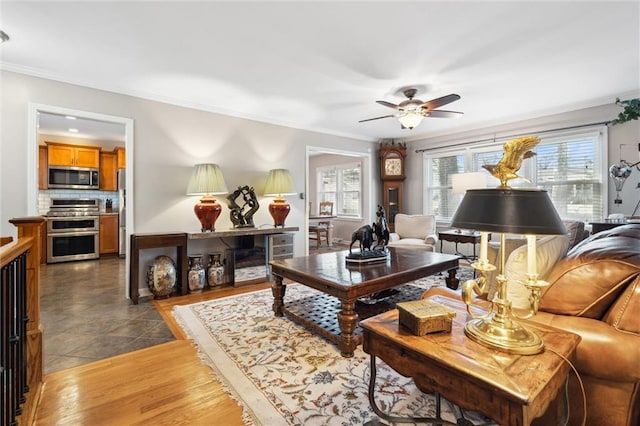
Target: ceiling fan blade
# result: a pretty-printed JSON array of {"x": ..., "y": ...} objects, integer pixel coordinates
[
  {"x": 439, "y": 113},
  {"x": 438, "y": 102},
  {"x": 376, "y": 118},
  {"x": 388, "y": 104}
]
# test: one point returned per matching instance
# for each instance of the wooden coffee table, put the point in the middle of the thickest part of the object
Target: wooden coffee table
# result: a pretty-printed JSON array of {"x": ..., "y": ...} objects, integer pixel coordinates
[{"x": 329, "y": 273}]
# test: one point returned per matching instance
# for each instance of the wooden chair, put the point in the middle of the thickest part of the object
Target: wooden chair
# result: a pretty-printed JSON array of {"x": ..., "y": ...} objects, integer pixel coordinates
[{"x": 316, "y": 231}]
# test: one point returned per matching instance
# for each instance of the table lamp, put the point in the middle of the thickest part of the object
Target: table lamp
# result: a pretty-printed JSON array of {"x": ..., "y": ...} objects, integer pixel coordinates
[
  {"x": 207, "y": 180},
  {"x": 461, "y": 182},
  {"x": 279, "y": 183},
  {"x": 506, "y": 211}
]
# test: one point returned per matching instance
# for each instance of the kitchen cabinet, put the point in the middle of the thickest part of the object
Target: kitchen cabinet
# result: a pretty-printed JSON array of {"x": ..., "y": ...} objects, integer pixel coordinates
[
  {"x": 122, "y": 157},
  {"x": 59, "y": 154},
  {"x": 42, "y": 167},
  {"x": 109, "y": 234},
  {"x": 108, "y": 171}
]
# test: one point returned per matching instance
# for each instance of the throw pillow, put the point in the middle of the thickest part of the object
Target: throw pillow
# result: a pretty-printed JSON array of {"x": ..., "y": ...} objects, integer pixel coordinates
[{"x": 548, "y": 251}]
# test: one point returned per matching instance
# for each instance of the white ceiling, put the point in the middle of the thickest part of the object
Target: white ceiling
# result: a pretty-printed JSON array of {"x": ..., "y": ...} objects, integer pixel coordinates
[{"x": 322, "y": 65}]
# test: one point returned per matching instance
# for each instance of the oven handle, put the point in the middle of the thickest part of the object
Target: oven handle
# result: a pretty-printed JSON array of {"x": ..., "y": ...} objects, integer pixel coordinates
[{"x": 71, "y": 234}]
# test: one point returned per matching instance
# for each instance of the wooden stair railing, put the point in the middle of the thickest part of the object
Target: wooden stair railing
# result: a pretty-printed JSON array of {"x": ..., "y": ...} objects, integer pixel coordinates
[{"x": 21, "y": 332}]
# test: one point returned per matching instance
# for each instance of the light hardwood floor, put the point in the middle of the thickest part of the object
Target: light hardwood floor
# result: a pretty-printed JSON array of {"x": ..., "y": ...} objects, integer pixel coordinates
[{"x": 161, "y": 385}]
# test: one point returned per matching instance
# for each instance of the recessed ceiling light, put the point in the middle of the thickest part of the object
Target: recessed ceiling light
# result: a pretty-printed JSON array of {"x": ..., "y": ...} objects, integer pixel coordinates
[
  {"x": 3, "y": 37},
  {"x": 72, "y": 130},
  {"x": 69, "y": 117}
]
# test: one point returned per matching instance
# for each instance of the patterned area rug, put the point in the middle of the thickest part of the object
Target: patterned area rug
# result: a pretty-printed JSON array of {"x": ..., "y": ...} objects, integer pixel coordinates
[{"x": 281, "y": 374}]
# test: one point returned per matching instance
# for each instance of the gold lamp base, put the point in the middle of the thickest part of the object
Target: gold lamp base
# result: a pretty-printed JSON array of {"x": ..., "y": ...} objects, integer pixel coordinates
[{"x": 509, "y": 337}]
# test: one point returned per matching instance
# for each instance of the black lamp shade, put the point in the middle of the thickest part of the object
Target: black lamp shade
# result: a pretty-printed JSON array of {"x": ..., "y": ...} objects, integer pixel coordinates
[{"x": 510, "y": 211}]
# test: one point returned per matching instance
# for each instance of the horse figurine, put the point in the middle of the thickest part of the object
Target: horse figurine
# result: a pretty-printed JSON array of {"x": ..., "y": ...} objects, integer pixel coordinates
[
  {"x": 381, "y": 229},
  {"x": 364, "y": 235}
]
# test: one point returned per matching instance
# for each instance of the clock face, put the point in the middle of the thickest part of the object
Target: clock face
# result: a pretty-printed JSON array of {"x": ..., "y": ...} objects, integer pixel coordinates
[{"x": 393, "y": 167}]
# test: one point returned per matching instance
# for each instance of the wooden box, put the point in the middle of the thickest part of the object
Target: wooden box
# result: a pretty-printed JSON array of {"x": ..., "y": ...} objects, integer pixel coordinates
[{"x": 425, "y": 316}]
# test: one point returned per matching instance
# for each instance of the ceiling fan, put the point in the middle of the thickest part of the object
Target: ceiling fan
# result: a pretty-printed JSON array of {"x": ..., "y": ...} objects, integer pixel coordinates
[{"x": 412, "y": 111}]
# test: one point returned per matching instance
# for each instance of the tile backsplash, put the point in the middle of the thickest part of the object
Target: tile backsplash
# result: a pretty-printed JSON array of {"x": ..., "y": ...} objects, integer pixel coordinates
[{"x": 45, "y": 196}]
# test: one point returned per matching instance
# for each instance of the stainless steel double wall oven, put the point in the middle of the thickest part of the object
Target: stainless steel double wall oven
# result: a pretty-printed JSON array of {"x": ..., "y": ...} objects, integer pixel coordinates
[{"x": 73, "y": 230}]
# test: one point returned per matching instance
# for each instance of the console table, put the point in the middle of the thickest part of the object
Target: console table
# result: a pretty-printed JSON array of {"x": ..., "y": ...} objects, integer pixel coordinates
[
  {"x": 148, "y": 241},
  {"x": 180, "y": 240}
]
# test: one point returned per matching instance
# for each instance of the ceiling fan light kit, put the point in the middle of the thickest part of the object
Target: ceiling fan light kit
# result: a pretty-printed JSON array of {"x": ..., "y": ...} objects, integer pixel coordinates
[
  {"x": 410, "y": 120},
  {"x": 412, "y": 111}
]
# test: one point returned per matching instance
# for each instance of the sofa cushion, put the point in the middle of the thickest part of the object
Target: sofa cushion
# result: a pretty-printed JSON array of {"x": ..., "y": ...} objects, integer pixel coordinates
[
  {"x": 414, "y": 226},
  {"x": 549, "y": 250},
  {"x": 594, "y": 273},
  {"x": 624, "y": 313}
]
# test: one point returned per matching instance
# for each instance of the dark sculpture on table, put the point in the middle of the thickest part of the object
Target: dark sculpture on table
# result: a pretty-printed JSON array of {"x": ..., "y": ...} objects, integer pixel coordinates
[
  {"x": 242, "y": 215},
  {"x": 381, "y": 229},
  {"x": 364, "y": 235}
]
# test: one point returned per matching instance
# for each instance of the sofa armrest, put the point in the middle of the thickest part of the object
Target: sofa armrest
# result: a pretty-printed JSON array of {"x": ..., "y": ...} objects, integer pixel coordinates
[
  {"x": 603, "y": 352},
  {"x": 393, "y": 237},
  {"x": 431, "y": 239}
]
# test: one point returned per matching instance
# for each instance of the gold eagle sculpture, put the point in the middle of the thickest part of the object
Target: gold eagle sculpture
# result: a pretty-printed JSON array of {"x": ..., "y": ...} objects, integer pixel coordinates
[{"x": 515, "y": 151}]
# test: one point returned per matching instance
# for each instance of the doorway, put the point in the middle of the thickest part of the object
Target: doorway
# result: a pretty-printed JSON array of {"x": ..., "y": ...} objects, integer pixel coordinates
[
  {"x": 107, "y": 129},
  {"x": 343, "y": 226}
]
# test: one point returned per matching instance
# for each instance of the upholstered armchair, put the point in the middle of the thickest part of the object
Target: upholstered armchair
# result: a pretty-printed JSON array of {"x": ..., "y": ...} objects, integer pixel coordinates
[{"x": 414, "y": 231}]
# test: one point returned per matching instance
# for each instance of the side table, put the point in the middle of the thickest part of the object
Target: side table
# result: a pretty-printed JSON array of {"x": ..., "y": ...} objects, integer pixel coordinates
[
  {"x": 511, "y": 389},
  {"x": 460, "y": 237}
]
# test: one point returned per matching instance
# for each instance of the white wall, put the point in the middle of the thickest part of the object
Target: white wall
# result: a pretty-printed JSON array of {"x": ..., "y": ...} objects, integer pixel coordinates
[
  {"x": 168, "y": 141},
  {"x": 625, "y": 137}
]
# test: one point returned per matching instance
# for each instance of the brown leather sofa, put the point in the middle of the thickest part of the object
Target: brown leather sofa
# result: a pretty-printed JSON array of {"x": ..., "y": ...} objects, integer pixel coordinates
[{"x": 595, "y": 292}]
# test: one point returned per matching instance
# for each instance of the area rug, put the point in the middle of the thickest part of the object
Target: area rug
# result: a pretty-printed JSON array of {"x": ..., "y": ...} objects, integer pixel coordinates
[{"x": 281, "y": 374}]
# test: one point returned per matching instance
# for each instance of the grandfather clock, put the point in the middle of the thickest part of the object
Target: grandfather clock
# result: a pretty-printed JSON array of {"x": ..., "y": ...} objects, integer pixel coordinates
[{"x": 392, "y": 159}]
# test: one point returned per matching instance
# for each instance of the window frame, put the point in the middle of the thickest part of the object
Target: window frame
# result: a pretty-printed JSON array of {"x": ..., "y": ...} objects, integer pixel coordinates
[{"x": 529, "y": 170}]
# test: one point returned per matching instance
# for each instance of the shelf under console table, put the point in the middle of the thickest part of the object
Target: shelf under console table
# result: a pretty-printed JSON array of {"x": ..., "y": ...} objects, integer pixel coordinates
[{"x": 277, "y": 243}]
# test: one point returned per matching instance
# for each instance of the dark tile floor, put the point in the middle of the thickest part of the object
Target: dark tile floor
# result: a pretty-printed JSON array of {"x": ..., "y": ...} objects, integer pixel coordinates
[{"x": 86, "y": 316}]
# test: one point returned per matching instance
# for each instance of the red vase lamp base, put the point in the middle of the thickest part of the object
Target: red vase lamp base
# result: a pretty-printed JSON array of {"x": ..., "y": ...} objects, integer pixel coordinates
[
  {"x": 279, "y": 210},
  {"x": 207, "y": 211}
]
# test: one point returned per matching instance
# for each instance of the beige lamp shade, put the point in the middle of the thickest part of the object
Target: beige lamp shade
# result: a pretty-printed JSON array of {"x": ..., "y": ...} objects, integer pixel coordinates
[
  {"x": 279, "y": 182},
  {"x": 206, "y": 179},
  {"x": 461, "y": 182}
]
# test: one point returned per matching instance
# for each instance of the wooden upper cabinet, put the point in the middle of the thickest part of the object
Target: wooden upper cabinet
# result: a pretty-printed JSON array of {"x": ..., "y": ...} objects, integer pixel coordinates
[
  {"x": 108, "y": 171},
  {"x": 122, "y": 157},
  {"x": 73, "y": 155},
  {"x": 43, "y": 178}
]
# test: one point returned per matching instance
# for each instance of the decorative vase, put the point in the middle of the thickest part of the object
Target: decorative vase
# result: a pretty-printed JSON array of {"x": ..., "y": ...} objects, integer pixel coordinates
[
  {"x": 161, "y": 277},
  {"x": 215, "y": 270},
  {"x": 197, "y": 274}
]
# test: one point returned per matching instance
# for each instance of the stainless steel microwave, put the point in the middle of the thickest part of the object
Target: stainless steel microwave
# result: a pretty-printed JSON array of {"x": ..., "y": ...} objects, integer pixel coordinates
[{"x": 73, "y": 178}]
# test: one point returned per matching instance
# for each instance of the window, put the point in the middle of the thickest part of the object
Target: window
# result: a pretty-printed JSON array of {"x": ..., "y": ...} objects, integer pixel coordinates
[
  {"x": 568, "y": 165},
  {"x": 342, "y": 185}
]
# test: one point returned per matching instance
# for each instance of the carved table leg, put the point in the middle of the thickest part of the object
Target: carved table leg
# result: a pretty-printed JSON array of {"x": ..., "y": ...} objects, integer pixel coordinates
[
  {"x": 347, "y": 319},
  {"x": 451, "y": 280},
  {"x": 278, "y": 289}
]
